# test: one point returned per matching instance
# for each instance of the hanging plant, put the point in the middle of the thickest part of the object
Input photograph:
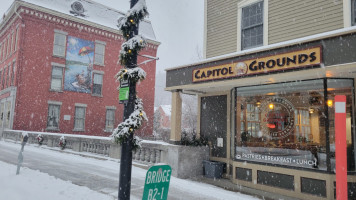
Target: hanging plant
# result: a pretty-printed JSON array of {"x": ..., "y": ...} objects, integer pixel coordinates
[
  {"x": 124, "y": 129},
  {"x": 39, "y": 139}
]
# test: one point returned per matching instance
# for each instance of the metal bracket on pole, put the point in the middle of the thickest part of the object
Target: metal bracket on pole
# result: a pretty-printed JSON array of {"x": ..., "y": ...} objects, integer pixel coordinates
[{"x": 151, "y": 58}]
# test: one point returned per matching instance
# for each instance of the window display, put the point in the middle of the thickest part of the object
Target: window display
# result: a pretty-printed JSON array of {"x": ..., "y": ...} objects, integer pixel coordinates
[{"x": 288, "y": 123}]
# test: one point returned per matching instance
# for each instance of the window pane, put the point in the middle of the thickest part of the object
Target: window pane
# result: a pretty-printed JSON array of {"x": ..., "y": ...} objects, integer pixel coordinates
[
  {"x": 79, "y": 118},
  {"x": 56, "y": 84},
  {"x": 342, "y": 87},
  {"x": 110, "y": 115},
  {"x": 98, "y": 79},
  {"x": 252, "y": 26},
  {"x": 57, "y": 71},
  {"x": 99, "y": 48},
  {"x": 57, "y": 76},
  {"x": 99, "y": 59},
  {"x": 59, "y": 44},
  {"x": 285, "y": 124},
  {"x": 53, "y": 116}
]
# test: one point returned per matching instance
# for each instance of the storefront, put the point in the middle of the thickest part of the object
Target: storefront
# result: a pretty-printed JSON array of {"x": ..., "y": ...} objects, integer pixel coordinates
[{"x": 269, "y": 113}]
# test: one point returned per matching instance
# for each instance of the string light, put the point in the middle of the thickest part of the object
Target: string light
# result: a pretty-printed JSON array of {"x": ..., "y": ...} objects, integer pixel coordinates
[
  {"x": 330, "y": 103},
  {"x": 271, "y": 106}
]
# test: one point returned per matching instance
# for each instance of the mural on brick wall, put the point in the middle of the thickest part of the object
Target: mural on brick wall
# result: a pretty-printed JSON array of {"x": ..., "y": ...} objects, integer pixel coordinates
[{"x": 79, "y": 65}]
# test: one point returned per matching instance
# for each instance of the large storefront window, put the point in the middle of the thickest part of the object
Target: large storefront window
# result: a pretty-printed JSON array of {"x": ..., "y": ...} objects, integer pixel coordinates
[{"x": 289, "y": 123}]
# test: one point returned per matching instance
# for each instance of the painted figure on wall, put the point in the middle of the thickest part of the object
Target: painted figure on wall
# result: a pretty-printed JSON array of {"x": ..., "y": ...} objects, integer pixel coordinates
[{"x": 79, "y": 65}]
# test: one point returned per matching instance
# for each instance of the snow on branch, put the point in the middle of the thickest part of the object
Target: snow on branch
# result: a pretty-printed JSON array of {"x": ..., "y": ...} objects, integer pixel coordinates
[
  {"x": 132, "y": 18},
  {"x": 139, "y": 10},
  {"x": 124, "y": 129},
  {"x": 130, "y": 48},
  {"x": 136, "y": 74}
]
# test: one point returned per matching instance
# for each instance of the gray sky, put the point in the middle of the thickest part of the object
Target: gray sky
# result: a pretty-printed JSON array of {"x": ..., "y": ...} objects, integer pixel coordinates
[{"x": 178, "y": 25}]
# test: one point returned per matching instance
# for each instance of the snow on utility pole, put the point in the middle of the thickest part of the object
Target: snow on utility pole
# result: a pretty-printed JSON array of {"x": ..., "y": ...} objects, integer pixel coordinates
[{"x": 128, "y": 76}]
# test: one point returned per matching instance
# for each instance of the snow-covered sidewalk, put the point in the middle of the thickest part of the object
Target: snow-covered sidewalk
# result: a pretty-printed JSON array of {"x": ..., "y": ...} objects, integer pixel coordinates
[
  {"x": 61, "y": 173},
  {"x": 31, "y": 184}
]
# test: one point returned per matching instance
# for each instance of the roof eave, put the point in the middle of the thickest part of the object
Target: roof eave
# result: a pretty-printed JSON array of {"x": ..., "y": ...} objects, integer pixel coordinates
[{"x": 18, "y": 4}]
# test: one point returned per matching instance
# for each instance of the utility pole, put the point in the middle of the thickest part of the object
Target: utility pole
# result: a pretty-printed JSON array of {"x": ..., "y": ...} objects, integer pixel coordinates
[{"x": 126, "y": 150}]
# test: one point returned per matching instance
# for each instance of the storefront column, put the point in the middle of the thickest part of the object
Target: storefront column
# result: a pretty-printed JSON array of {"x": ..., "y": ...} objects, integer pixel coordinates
[{"x": 176, "y": 117}]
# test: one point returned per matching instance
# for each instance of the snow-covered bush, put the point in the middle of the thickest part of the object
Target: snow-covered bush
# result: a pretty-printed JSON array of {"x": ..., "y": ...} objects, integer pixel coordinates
[
  {"x": 62, "y": 142},
  {"x": 39, "y": 139}
]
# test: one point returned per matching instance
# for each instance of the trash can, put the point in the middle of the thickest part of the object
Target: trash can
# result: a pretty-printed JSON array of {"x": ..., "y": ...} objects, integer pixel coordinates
[{"x": 213, "y": 169}]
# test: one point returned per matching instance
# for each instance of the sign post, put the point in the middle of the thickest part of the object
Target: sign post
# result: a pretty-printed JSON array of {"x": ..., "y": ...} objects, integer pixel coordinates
[
  {"x": 20, "y": 157},
  {"x": 157, "y": 183},
  {"x": 340, "y": 147}
]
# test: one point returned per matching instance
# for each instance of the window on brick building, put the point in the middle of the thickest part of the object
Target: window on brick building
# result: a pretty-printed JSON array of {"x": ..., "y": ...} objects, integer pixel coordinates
[
  {"x": 59, "y": 44},
  {"x": 79, "y": 118},
  {"x": 53, "y": 115},
  {"x": 12, "y": 41},
  {"x": 252, "y": 25},
  {"x": 8, "y": 46},
  {"x": 57, "y": 78},
  {"x": 17, "y": 37},
  {"x": 97, "y": 84},
  {"x": 110, "y": 119},
  {"x": 99, "y": 53},
  {"x": 8, "y": 75},
  {"x": 3, "y": 78},
  {"x": 4, "y": 50},
  {"x": 13, "y": 73},
  {"x": 1, "y": 45}
]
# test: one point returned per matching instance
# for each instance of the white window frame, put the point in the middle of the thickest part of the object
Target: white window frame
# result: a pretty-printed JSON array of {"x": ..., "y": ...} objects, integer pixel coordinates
[
  {"x": 245, "y": 3},
  {"x": 95, "y": 72},
  {"x": 82, "y": 106},
  {"x": 59, "y": 33},
  {"x": 113, "y": 109},
  {"x": 98, "y": 53},
  {"x": 57, "y": 104},
  {"x": 61, "y": 66}
]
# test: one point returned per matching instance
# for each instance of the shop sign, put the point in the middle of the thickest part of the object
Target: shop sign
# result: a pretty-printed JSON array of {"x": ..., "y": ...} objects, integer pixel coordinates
[
  {"x": 157, "y": 183},
  {"x": 284, "y": 61}
]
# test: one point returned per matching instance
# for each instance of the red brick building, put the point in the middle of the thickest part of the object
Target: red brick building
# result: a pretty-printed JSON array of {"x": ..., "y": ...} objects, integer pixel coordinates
[{"x": 57, "y": 65}]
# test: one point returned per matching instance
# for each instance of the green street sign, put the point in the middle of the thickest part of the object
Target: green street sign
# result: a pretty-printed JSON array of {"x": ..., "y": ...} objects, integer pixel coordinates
[
  {"x": 157, "y": 183},
  {"x": 124, "y": 94}
]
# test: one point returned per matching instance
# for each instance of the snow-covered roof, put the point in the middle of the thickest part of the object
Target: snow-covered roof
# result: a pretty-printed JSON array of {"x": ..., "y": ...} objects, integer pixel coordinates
[
  {"x": 167, "y": 109},
  {"x": 93, "y": 12}
]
